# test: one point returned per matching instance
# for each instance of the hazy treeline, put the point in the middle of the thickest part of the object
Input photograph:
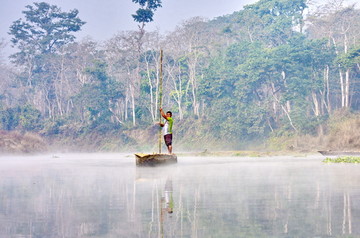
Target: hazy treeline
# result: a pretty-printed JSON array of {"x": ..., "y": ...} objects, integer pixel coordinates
[{"x": 273, "y": 67}]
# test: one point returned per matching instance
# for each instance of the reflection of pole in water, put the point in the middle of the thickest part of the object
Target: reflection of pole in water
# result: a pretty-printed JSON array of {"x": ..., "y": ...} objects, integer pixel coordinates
[
  {"x": 180, "y": 209},
  {"x": 349, "y": 213},
  {"x": 329, "y": 216},
  {"x": 134, "y": 201},
  {"x": 154, "y": 190},
  {"x": 194, "y": 227}
]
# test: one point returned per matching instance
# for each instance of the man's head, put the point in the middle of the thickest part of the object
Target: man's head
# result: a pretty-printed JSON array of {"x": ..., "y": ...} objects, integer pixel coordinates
[{"x": 169, "y": 114}]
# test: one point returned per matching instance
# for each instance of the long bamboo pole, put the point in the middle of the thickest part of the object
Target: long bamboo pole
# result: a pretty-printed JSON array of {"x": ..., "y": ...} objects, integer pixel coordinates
[{"x": 160, "y": 95}]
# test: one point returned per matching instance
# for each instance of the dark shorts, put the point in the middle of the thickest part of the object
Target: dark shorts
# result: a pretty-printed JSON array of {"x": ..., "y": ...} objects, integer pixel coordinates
[{"x": 168, "y": 139}]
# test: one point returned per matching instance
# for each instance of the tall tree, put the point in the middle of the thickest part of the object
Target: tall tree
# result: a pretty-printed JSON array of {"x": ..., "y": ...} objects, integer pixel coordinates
[
  {"x": 272, "y": 21},
  {"x": 6, "y": 76},
  {"x": 146, "y": 11},
  {"x": 45, "y": 29},
  {"x": 340, "y": 25},
  {"x": 39, "y": 39}
]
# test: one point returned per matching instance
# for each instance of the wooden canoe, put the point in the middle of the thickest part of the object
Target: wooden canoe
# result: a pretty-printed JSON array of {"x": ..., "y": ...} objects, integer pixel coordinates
[
  {"x": 155, "y": 159},
  {"x": 339, "y": 153}
]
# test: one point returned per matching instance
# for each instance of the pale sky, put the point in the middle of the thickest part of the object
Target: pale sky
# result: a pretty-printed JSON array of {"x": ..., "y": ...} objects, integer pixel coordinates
[{"x": 104, "y": 18}]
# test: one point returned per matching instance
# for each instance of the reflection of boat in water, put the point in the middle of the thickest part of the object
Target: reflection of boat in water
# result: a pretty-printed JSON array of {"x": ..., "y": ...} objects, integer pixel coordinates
[
  {"x": 150, "y": 173},
  {"x": 339, "y": 153},
  {"x": 155, "y": 159}
]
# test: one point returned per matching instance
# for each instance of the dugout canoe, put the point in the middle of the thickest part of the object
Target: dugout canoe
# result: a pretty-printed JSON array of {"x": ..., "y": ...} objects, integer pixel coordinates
[
  {"x": 339, "y": 153},
  {"x": 155, "y": 159}
]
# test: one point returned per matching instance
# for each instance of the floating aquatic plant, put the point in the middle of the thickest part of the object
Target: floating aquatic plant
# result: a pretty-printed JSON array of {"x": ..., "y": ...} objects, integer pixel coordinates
[{"x": 345, "y": 159}]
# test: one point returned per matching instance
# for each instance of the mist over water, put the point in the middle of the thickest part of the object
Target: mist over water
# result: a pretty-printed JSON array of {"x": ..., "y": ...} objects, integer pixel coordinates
[{"x": 106, "y": 195}]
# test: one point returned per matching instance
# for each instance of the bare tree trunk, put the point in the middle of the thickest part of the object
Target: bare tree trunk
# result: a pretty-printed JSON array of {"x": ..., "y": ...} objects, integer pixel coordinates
[
  {"x": 179, "y": 101},
  {"x": 347, "y": 88},
  {"x": 175, "y": 75},
  {"x": 177, "y": 82},
  {"x": 30, "y": 69},
  {"x": 342, "y": 86},
  {"x": 283, "y": 108},
  {"x": 157, "y": 96},
  {"x": 151, "y": 106},
  {"x": 126, "y": 107},
  {"x": 316, "y": 107},
  {"x": 115, "y": 116},
  {"x": 347, "y": 73},
  {"x": 341, "y": 76},
  {"x": 327, "y": 82},
  {"x": 59, "y": 87},
  {"x": 269, "y": 123},
  {"x": 288, "y": 106},
  {"x": 250, "y": 35},
  {"x": 132, "y": 94},
  {"x": 194, "y": 87}
]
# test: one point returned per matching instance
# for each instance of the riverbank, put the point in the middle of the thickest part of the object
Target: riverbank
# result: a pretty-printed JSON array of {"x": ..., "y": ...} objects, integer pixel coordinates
[
  {"x": 341, "y": 133},
  {"x": 17, "y": 142}
]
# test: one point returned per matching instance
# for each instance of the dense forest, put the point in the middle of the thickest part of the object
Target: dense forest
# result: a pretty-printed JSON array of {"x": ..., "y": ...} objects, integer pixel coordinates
[{"x": 275, "y": 68}]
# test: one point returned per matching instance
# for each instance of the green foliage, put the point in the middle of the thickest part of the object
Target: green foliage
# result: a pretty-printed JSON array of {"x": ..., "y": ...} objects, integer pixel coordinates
[
  {"x": 45, "y": 29},
  {"x": 350, "y": 59},
  {"x": 23, "y": 117},
  {"x": 98, "y": 97},
  {"x": 249, "y": 76},
  {"x": 30, "y": 118},
  {"x": 274, "y": 19},
  {"x": 52, "y": 127},
  {"x": 345, "y": 159},
  {"x": 146, "y": 12},
  {"x": 9, "y": 118},
  {"x": 143, "y": 15},
  {"x": 236, "y": 121},
  {"x": 304, "y": 120}
]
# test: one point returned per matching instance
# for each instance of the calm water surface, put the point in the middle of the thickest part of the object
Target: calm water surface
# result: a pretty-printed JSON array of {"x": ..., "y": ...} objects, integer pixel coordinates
[{"x": 106, "y": 195}]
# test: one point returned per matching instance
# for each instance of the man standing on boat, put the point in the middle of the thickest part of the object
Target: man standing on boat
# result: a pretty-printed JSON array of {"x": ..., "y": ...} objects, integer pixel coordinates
[{"x": 167, "y": 129}]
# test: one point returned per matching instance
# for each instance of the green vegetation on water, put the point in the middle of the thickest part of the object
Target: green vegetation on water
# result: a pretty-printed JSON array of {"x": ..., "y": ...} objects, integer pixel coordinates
[{"x": 345, "y": 159}]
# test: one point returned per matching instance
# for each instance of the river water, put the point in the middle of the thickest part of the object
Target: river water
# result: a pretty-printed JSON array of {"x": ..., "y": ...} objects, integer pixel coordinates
[{"x": 106, "y": 195}]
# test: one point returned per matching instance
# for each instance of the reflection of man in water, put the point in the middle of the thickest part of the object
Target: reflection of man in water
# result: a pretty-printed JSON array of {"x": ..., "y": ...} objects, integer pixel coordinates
[
  {"x": 169, "y": 200},
  {"x": 167, "y": 205}
]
